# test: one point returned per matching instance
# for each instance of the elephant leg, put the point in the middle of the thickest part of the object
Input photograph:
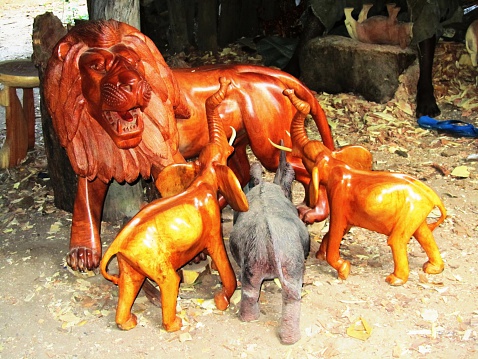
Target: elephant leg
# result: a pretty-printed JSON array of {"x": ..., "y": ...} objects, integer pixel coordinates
[
  {"x": 239, "y": 164},
  {"x": 322, "y": 252},
  {"x": 398, "y": 241},
  {"x": 424, "y": 236},
  {"x": 426, "y": 102},
  {"x": 289, "y": 331},
  {"x": 337, "y": 230},
  {"x": 218, "y": 254},
  {"x": 168, "y": 282},
  {"x": 85, "y": 242},
  {"x": 250, "y": 292},
  {"x": 129, "y": 284}
]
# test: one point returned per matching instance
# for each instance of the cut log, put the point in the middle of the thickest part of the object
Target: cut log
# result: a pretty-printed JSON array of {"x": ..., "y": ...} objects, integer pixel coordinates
[{"x": 336, "y": 64}]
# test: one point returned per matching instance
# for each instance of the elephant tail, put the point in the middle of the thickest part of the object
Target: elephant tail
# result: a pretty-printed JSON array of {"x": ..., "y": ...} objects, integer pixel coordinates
[
  {"x": 112, "y": 250},
  {"x": 441, "y": 207}
]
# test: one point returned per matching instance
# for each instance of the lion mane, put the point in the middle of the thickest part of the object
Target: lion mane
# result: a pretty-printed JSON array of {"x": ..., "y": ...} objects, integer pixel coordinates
[{"x": 91, "y": 150}]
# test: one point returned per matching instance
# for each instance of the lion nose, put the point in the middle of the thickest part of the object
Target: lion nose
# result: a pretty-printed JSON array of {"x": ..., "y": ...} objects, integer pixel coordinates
[
  {"x": 133, "y": 86},
  {"x": 128, "y": 82}
]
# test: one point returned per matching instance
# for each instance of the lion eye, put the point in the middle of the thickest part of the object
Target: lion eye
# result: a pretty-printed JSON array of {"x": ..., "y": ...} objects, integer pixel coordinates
[
  {"x": 98, "y": 66},
  {"x": 132, "y": 61}
]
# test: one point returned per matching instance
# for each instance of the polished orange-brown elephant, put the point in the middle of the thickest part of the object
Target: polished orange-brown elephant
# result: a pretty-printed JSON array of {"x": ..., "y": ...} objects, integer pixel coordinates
[
  {"x": 169, "y": 232},
  {"x": 257, "y": 109},
  {"x": 305, "y": 152},
  {"x": 393, "y": 204}
]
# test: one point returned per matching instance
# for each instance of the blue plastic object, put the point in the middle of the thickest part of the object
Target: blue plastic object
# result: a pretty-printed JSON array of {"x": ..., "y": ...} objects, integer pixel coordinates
[{"x": 453, "y": 127}]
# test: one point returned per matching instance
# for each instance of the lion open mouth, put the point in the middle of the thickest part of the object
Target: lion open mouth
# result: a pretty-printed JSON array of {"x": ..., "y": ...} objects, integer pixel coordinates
[{"x": 125, "y": 123}]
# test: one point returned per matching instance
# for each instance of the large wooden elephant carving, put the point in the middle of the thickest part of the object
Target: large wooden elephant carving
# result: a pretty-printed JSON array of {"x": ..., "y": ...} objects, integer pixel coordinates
[
  {"x": 113, "y": 102},
  {"x": 256, "y": 107}
]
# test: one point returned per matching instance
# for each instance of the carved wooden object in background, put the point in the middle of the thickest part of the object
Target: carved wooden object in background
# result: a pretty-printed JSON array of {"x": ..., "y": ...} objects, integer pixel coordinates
[{"x": 379, "y": 29}]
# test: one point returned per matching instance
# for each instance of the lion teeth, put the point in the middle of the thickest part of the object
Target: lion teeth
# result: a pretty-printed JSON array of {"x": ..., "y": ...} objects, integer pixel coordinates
[{"x": 122, "y": 126}]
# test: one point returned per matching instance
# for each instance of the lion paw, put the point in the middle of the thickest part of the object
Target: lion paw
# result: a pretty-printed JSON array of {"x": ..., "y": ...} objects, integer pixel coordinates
[
  {"x": 431, "y": 268},
  {"x": 129, "y": 324},
  {"x": 392, "y": 279},
  {"x": 83, "y": 259}
]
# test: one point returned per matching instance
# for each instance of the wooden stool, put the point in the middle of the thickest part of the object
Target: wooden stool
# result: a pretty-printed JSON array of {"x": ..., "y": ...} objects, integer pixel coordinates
[{"x": 20, "y": 121}]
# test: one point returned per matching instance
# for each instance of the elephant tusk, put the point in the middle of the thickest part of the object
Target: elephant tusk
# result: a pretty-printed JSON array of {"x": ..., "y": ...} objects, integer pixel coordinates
[
  {"x": 283, "y": 148},
  {"x": 233, "y": 136}
]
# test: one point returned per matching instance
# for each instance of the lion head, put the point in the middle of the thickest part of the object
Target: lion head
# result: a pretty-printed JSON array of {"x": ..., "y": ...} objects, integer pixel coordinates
[{"x": 113, "y": 101}]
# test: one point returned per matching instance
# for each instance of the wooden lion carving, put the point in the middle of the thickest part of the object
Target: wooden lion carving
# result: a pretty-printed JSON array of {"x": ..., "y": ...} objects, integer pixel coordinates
[{"x": 113, "y": 102}]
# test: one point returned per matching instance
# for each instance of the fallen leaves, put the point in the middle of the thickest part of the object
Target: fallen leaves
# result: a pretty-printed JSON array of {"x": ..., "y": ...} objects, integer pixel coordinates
[
  {"x": 359, "y": 329},
  {"x": 461, "y": 172}
]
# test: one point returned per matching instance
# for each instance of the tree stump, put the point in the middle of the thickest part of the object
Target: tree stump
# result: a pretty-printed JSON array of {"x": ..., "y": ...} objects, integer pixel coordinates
[
  {"x": 47, "y": 30},
  {"x": 337, "y": 64}
]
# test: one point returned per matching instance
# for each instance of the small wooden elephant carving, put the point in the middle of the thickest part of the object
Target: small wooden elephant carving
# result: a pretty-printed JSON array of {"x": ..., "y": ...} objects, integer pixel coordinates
[
  {"x": 169, "y": 232},
  {"x": 355, "y": 156},
  {"x": 393, "y": 204}
]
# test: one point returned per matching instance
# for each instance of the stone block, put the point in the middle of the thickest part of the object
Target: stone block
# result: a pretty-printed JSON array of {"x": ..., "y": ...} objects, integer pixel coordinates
[{"x": 336, "y": 64}]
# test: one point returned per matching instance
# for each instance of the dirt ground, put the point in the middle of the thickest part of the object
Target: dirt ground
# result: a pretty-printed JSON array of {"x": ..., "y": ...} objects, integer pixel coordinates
[{"x": 47, "y": 311}]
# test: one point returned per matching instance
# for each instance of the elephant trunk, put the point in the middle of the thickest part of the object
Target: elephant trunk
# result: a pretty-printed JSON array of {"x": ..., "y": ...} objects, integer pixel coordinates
[
  {"x": 298, "y": 133},
  {"x": 214, "y": 122}
]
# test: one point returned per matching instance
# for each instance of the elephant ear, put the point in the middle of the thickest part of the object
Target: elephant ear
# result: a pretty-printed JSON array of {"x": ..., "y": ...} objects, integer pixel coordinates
[
  {"x": 175, "y": 178},
  {"x": 230, "y": 188},
  {"x": 314, "y": 187}
]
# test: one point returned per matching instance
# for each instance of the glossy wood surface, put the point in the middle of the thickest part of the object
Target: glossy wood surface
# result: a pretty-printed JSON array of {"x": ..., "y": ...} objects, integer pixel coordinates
[
  {"x": 113, "y": 102},
  {"x": 255, "y": 107},
  {"x": 393, "y": 204},
  {"x": 168, "y": 233},
  {"x": 121, "y": 113}
]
